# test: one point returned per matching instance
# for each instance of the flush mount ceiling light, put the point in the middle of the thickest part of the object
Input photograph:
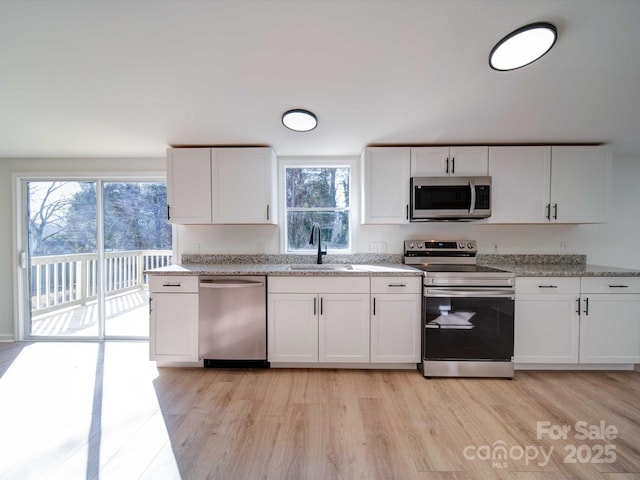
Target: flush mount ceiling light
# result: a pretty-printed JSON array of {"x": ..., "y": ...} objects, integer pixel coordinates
[
  {"x": 523, "y": 46},
  {"x": 299, "y": 120}
]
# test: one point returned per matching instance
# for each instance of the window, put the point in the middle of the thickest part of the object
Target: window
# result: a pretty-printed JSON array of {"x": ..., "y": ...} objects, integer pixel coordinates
[{"x": 318, "y": 194}]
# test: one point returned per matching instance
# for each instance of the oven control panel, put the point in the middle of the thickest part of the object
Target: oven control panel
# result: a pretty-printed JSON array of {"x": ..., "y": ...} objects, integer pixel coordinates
[{"x": 438, "y": 246}]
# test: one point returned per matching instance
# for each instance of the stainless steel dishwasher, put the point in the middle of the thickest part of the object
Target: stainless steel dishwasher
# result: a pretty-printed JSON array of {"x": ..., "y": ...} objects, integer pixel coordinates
[{"x": 233, "y": 321}]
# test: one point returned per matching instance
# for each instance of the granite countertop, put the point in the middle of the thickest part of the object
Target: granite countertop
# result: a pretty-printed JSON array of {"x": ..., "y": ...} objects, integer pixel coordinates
[
  {"x": 280, "y": 269},
  {"x": 565, "y": 270},
  {"x": 522, "y": 265}
]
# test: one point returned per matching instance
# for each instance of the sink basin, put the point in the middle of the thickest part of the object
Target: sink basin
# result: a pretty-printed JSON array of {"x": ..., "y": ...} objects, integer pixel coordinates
[{"x": 327, "y": 267}]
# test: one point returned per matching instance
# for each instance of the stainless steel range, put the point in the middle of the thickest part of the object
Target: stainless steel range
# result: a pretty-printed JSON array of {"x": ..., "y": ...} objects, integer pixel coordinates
[{"x": 467, "y": 311}]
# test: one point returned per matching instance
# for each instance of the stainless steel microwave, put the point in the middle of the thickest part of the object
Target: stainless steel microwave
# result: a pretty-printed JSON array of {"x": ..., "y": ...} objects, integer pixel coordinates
[{"x": 450, "y": 198}]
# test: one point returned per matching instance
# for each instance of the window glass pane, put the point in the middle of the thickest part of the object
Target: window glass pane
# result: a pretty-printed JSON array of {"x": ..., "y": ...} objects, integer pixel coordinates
[
  {"x": 317, "y": 187},
  {"x": 334, "y": 228}
]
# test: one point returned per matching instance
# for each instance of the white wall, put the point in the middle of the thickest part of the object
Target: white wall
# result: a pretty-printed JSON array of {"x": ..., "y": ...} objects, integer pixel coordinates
[
  {"x": 614, "y": 244},
  {"x": 72, "y": 167}
]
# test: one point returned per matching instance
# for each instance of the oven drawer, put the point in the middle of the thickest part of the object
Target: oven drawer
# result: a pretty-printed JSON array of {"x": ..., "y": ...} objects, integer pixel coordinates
[
  {"x": 548, "y": 285},
  {"x": 396, "y": 285}
]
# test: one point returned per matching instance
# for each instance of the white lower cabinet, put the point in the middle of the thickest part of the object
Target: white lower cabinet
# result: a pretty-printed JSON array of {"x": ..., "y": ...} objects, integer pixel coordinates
[
  {"x": 396, "y": 303},
  {"x": 292, "y": 327},
  {"x": 547, "y": 325},
  {"x": 343, "y": 328},
  {"x": 610, "y": 322},
  {"x": 173, "y": 317},
  {"x": 318, "y": 319},
  {"x": 571, "y": 320}
]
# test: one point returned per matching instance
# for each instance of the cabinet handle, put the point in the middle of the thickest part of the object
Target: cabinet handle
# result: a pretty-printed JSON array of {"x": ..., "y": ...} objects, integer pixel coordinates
[
  {"x": 168, "y": 212},
  {"x": 407, "y": 208},
  {"x": 453, "y": 165},
  {"x": 547, "y": 286},
  {"x": 267, "y": 211},
  {"x": 150, "y": 309},
  {"x": 548, "y": 215},
  {"x": 618, "y": 286},
  {"x": 586, "y": 306},
  {"x": 374, "y": 305},
  {"x": 397, "y": 285},
  {"x": 555, "y": 211},
  {"x": 578, "y": 311},
  {"x": 321, "y": 305},
  {"x": 171, "y": 284},
  {"x": 446, "y": 169},
  {"x": 315, "y": 309}
]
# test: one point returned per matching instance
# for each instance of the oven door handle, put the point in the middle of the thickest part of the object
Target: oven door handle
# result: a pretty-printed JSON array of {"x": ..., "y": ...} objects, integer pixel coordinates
[
  {"x": 445, "y": 292},
  {"x": 472, "y": 207}
]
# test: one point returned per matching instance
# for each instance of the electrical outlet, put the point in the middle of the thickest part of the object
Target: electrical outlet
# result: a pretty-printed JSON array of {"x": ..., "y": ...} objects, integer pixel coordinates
[
  {"x": 382, "y": 247},
  {"x": 495, "y": 247},
  {"x": 373, "y": 247},
  {"x": 261, "y": 247},
  {"x": 564, "y": 247}
]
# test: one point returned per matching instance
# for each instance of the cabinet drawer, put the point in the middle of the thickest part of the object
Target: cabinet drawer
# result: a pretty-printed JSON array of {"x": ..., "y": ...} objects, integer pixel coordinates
[
  {"x": 319, "y": 284},
  {"x": 548, "y": 285},
  {"x": 610, "y": 285},
  {"x": 396, "y": 284},
  {"x": 173, "y": 283}
]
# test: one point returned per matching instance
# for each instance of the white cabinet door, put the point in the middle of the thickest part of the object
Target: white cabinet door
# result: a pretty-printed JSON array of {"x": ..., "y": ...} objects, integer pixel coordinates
[
  {"x": 429, "y": 161},
  {"x": 546, "y": 329},
  {"x": 458, "y": 161},
  {"x": 547, "y": 324},
  {"x": 189, "y": 185},
  {"x": 519, "y": 184},
  {"x": 385, "y": 186},
  {"x": 293, "y": 327},
  {"x": 395, "y": 328},
  {"x": 579, "y": 177},
  {"x": 243, "y": 185},
  {"x": 469, "y": 161},
  {"x": 173, "y": 332},
  {"x": 344, "y": 328},
  {"x": 610, "y": 329}
]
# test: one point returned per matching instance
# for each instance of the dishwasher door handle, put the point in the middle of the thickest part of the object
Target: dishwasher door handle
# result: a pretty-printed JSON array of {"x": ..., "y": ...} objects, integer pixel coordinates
[{"x": 230, "y": 284}]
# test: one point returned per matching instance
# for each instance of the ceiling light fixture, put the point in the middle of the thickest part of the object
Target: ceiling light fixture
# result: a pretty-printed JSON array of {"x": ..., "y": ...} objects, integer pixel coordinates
[
  {"x": 523, "y": 46},
  {"x": 299, "y": 120}
]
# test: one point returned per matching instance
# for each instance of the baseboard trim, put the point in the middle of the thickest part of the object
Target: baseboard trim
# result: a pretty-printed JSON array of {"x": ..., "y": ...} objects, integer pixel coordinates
[
  {"x": 575, "y": 367},
  {"x": 5, "y": 338}
]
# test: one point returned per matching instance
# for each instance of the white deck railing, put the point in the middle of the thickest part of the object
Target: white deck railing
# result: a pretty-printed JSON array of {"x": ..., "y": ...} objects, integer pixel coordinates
[{"x": 60, "y": 281}]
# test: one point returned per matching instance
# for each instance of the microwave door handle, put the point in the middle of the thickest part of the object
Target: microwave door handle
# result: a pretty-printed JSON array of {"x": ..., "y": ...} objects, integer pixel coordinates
[{"x": 472, "y": 207}]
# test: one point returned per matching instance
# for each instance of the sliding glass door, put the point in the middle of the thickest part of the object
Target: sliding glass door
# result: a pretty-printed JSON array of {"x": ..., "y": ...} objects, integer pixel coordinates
[{"x": 88, "y": 245}]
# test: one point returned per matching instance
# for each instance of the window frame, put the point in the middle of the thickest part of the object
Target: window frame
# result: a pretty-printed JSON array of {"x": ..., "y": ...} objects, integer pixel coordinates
[{"x": 318, "y": 162}]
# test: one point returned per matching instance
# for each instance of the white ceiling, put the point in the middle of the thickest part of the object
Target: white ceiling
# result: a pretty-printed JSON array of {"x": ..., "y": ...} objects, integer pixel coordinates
[{"x": 129, "y": 78}]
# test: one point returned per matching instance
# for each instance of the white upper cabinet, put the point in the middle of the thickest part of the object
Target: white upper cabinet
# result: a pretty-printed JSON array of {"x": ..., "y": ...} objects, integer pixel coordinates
[
  {"x": 519, "y": 184},
  {"x": 243, "y": 185},
  {"x": 548, "y": 184},
  {"x": 385, "y": 185},
  {"x": 579, "y": 177},
  {"x": 443, "y": 161},
  {"x": 189, "y": 185},
  {"x": 222, "y": 185}
]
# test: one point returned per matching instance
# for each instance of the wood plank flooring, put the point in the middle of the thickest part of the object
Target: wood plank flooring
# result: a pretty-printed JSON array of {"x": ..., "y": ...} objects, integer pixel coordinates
[{"x": 102, "y": 411}]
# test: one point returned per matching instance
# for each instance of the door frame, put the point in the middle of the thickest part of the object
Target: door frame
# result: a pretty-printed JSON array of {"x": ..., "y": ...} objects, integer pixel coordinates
[{"x": 20, "y": 227}]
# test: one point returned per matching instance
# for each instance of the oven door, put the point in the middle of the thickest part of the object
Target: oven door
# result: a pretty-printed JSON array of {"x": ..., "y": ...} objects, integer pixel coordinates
[{"x": 468, "y": 324}]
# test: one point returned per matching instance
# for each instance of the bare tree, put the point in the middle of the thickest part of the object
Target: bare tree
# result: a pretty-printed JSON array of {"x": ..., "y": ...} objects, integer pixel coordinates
[{"x": 47, "y": 210}]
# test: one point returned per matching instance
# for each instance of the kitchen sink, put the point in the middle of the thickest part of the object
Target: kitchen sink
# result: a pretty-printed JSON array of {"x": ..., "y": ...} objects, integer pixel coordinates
[{"x": 327, "y": 267}]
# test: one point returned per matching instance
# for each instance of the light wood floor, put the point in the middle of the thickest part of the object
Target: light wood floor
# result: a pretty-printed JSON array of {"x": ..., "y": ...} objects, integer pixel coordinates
[{"x": 89, "y": 410}]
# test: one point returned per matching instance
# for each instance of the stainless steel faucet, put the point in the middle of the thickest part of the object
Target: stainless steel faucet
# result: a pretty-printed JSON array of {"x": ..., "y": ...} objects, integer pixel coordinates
[{"x": 314, "y": 227}]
